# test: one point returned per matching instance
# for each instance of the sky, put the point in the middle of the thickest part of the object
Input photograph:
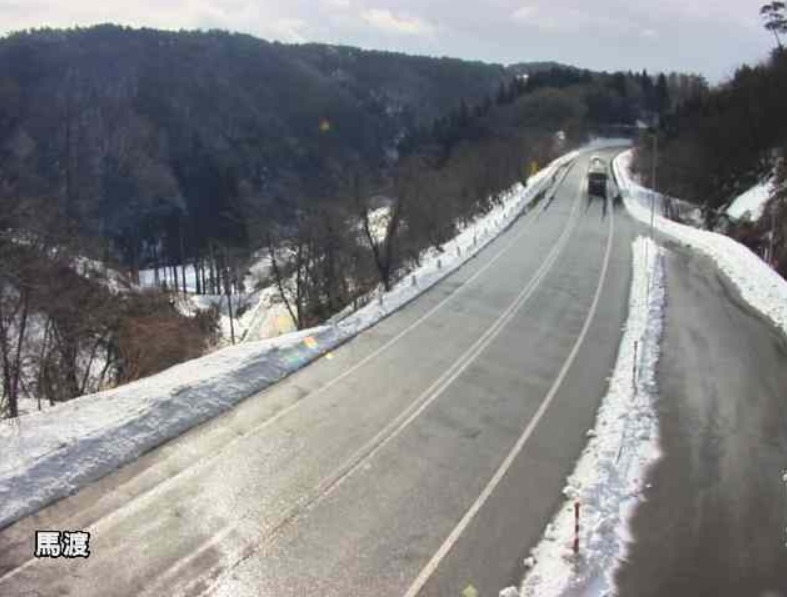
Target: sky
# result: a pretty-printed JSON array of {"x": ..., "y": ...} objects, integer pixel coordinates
[{"x": 708, "y": 37}]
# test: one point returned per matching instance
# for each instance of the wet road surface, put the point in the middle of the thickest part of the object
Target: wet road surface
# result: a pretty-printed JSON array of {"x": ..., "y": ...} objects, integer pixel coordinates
[{"x": 716, "y": 511}]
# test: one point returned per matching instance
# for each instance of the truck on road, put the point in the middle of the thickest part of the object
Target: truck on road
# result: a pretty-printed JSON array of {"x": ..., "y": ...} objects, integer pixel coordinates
[{"x": 597, "y": 178}]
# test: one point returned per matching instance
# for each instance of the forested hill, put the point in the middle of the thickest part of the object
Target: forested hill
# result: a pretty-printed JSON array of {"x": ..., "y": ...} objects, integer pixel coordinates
[
  {"x": 528, "y": 68},
  {"x": 196, "y": 151},
  {"x": 128, "y": 128}
]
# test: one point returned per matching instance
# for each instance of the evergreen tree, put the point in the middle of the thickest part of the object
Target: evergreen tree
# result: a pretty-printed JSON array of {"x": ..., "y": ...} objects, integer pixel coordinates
[
  {"x": 662, "y": 95},
  {"x": 775, "y": 16}
]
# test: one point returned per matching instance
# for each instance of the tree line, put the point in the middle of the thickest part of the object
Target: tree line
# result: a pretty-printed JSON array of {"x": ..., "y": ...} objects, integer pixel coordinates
[{"x": 717, "y": 144}]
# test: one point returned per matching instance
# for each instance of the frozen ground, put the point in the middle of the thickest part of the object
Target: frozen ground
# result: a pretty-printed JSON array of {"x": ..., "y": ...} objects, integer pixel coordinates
[
  {"x": 608, "y": 480},
  {"x": 50, "y": 454}
]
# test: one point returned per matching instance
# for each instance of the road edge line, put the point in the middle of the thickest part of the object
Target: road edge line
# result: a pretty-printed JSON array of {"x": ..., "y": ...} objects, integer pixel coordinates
[{"x": 427, "y": 571}]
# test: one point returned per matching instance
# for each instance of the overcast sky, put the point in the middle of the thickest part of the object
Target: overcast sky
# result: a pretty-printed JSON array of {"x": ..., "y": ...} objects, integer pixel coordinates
[{"x": 710, "y": 37}]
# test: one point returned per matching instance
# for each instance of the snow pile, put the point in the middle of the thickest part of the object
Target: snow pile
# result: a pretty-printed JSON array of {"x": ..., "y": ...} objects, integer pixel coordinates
[
  {"x": 608, "y": 479},
  {"x": 751, "y": 204},
  {"x": 759, "y": 285},
  {"x": 49, "y": 454}
]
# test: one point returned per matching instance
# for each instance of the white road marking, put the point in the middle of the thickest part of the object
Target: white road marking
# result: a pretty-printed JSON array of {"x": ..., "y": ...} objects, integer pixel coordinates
[
  {"x": 453, "y": 537},
  {"x": 393, "y": 429},
  {"x": 328, "y": 484},
  {"x": 103, "y": 520}
]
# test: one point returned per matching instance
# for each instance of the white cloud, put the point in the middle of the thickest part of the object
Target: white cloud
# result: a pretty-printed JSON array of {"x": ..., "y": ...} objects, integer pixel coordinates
[
  {"x": 524, "y": 13},
  {"x": 288, "y": 30},
  {"x": 385, "y": 20},
  {"x": 336, "y": 4},
  {"x": 553, "y": 17}
]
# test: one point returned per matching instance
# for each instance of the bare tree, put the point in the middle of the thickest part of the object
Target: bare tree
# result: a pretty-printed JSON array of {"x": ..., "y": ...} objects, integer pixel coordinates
[
  {"x": 14, "y": 313},
  {"x": 291, "y": 275},
  {"x": 384, "y": 247}
]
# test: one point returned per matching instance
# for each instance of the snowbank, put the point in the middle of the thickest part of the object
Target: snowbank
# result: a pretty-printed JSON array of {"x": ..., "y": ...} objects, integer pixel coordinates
[
  {"x": 608, "y": 479},
  {"x": 49, "y": 454},
  {"x": 751, "y": 204},
  {"x": 759, "y": 285}
]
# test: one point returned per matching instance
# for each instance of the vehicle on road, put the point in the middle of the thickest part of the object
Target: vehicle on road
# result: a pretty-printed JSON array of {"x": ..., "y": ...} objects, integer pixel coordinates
[{"x": 597, "y": 178}]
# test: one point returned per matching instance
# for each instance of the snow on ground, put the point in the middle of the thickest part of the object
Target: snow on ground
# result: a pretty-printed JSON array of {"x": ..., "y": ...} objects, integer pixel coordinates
[
  {"x": 608, "y": 479},
  {"x": 147, "y": 278},
  {"x": 751, "y": 204},
  {"x": 113, "y": 279},
  {"x": 258, "y": 270},
  {"x": 759, "y": 285},
  {"x": 256, "y": 311},
  {"x": 378, "y": 223},
  {"x": 244, "y": 303},
  {"x": 267, "y": 318},
  {"x": 49, "y": 454},
  {"x": 262, "y": 316}
]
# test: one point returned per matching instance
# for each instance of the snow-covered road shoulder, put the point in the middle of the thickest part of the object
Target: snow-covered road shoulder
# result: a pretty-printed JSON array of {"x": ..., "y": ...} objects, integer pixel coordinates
[
  {"x": 760, "y": 286},
  {"x": 48, "y": 455},
  {"x": 608, "y": 480}
]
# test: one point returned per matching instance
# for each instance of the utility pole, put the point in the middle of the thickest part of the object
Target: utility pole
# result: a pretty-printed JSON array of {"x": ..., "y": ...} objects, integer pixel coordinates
[
  {"x": 653, "y": 181},
  {"x": 654, "y": 161},
  {"x": 228, "y": 290}
]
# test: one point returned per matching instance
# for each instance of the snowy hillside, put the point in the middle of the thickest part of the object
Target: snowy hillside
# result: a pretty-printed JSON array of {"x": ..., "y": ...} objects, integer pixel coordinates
[{"x": 751, "y": 204}]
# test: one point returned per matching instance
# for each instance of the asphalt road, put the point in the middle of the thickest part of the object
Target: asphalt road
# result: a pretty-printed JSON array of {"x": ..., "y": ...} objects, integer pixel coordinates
[
  {"x": 426, "y": 456},
  {"x": 714, "y": 522}
]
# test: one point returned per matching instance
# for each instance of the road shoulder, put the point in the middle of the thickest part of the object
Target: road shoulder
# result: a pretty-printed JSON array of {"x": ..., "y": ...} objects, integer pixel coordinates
[{"x": 714, "y": 518}]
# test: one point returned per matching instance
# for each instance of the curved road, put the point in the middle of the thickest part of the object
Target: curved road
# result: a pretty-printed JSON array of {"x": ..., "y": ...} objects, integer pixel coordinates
[
  {"x": 714, "y": 519},
  {"x": 425, "y": 457}
]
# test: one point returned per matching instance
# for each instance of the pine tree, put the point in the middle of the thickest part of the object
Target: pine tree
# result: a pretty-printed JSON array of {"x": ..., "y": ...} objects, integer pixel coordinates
[
  {"x": 662, "y": 96},
  {"x": 775, "y": 15}
]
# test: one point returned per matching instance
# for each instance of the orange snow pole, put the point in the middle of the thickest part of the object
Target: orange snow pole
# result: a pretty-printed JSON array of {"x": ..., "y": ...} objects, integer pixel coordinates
[{"x": 576, "y": 527}]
